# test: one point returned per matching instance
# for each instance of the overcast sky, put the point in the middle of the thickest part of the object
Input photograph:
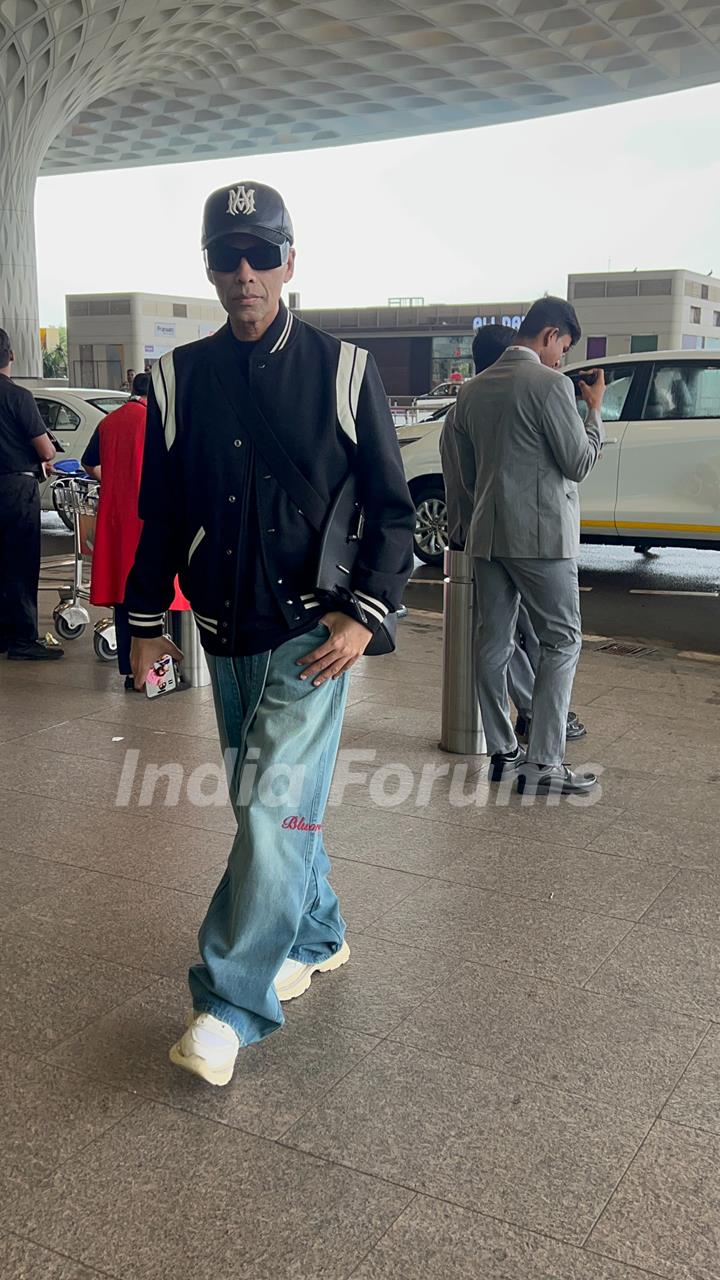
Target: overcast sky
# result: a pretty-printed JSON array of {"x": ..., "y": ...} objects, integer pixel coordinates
[{"x": 488, "y": 215}]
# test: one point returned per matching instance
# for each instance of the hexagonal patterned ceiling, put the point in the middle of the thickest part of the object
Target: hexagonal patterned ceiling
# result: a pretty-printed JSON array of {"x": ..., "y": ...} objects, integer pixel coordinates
[{"x": 132, "y": 82}]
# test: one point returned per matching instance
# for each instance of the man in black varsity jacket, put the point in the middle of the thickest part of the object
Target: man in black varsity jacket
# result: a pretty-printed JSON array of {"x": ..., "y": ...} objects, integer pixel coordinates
[{"x": 224, "y": 510}]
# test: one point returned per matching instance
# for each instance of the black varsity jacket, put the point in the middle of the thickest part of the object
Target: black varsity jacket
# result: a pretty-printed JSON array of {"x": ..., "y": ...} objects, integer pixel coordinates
[{"x": 326, "y": 405}]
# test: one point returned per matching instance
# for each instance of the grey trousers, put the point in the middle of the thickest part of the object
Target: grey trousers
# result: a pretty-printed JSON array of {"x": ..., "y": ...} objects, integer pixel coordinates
[
  {"x": 549, "y": 590},
  {"x": 524, "y": 663}
]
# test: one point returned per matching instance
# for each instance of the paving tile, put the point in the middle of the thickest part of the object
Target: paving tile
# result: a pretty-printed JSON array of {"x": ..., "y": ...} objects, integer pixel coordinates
[
  {"x": 20, "y": 1260},
  {"x": 47, "y": 1115},
  {"x": 569, "y": 878},
  {"x": 275, "y": 1082},
  {"x": 366, "y": 893},
  {"x": 144, "y": 847},
  {"x": 439, "y": 1241},
  {"x": 384, "y": 838},
  {"x": 23, "y": 879},
  {"x": 536, "y": 1157},
  {"x": 47, "y": 994},
  {"x": 660, "y": 966},
  {"x": 411, "y": 722},
  {"x": 602, "y": 1047},
  {"x": 109, "y": 740},
  {"x": 691, "y": 904},
  {"x": 145, "y": 927},
  {"x": 381, "y": 984},
  {"x": 661, "y": 837},
  {"x": 127, "y": 1205},
  {"x": 696, "y": 1100},
  {"x": 478, "y": 927},
  {"x": 665, "y": 1214},
  {"x": 70, "y": 780},
  {"x": 184, "y": 712}
]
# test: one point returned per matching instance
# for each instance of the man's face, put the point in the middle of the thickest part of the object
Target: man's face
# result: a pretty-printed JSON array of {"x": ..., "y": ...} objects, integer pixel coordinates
[
  {"x": 249, "y": 296},
  {"x": 554, "y": 347}
]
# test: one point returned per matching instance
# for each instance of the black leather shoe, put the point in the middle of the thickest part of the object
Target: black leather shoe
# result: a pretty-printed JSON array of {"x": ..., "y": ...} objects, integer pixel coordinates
[
  {"x": 38, "y": 651},
  {"x": 504, "y": 766},
  {"x": 544, "y": 780}
]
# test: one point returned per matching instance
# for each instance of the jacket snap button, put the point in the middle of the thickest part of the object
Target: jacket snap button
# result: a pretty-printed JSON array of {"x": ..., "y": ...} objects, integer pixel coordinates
[
  {"x": 280, "y": 581},
  {"x": 223, "y": 641},
  {"x": 231, "y": 498},
  {"x": 237, "y": 443},
  {"x": 224, "y": 624},
  {"x": 262, "y": 366},
  {"x": 269, "y": 530},
  {"x": 227, "y": 604},
  {"x": 267, "y": 477},
  {"x": 288, "y": 601},
  {"x": 229, "y": 551}
]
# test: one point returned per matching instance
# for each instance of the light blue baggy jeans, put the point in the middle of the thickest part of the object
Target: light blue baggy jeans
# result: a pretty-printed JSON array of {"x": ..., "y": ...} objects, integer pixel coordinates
[{"x": 280, "y": 737}]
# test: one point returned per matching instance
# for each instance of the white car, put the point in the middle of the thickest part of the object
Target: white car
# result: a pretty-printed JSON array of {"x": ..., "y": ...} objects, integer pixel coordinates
[
  {"x": 657, "y": 481},
  {"x": 444, "y": 394},
  {"x": 72, "y": 414}
]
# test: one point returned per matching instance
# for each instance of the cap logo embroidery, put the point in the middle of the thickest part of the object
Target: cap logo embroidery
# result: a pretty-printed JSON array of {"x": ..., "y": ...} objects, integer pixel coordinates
[{"x": 240, "y": 200}]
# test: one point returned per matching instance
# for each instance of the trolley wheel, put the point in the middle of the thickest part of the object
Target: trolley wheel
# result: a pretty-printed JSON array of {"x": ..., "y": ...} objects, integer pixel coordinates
[
  {"x": 104, "y": 650},
  {"x": 59, "y": 500},
  {"x": 65, "y": 630}
]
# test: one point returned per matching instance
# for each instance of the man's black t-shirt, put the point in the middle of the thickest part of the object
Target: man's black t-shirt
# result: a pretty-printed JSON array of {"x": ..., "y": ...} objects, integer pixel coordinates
[{"x": 20, "y": 424}]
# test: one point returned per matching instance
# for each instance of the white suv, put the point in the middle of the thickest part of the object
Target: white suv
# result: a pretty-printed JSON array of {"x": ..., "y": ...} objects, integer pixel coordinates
[{"x": 657, "y": 481}]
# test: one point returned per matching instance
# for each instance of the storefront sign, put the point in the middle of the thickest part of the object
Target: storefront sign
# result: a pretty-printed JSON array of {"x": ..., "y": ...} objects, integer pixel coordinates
[
  {"x": 511, "y": 322},
  {"x": 164, "y": 330}
]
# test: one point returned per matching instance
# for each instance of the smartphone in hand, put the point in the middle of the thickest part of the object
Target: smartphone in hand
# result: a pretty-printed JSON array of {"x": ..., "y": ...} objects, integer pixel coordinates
[{"x": 161, "y": 678}]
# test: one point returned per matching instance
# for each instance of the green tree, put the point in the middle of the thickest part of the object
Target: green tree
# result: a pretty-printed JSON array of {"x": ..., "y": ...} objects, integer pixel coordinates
[{"x": 55, "y": 363}]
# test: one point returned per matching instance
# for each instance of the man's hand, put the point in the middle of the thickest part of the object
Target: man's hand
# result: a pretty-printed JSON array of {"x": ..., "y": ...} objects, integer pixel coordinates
[
  {"x": 144, "y": 652},
  {"x": 347, "y": 642},
  {"x": 592, "y": 393}
]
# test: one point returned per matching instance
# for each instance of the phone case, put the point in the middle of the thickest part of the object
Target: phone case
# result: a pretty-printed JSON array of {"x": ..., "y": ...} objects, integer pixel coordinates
[{"x": 161, "y": 677}]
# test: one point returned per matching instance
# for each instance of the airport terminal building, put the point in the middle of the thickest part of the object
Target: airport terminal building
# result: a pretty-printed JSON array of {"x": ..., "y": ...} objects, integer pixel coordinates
[{"x": 416, "y": 345}]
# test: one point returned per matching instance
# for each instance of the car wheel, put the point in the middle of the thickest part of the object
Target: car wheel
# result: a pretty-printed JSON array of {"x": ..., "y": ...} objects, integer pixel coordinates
[{"x": 431, "y": 529}]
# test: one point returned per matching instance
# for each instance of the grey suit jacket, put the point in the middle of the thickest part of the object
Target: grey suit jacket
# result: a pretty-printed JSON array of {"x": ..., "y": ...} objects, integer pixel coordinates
[{"x": 521, "y": 448}]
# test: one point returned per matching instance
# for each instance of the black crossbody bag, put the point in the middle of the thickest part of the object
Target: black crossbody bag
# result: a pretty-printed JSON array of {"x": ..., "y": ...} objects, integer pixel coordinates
[{"x": 340, "y": 527}]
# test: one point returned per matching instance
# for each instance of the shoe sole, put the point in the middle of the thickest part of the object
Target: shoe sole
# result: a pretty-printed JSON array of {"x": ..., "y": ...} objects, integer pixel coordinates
[
  {"x": 299, "y": 986},
  {"x": 35, "y": 657},
  {"x": 201, "y": 1067},
  {"x": 547, "y": 788}
]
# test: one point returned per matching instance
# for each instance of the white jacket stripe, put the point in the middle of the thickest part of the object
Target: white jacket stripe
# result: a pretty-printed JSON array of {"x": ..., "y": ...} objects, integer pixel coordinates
[
  {"x": 366, "y": 599},
  {"x": 343, "y": 384},
  {"x": 357, "y": 379},
  {"x": 163, "y": 376}
]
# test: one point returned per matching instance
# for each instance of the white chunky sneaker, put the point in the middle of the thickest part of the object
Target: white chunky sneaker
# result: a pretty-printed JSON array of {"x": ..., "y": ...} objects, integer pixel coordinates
[
  {"x": 293, "y": 978},
  {"x": 208, "y": 1049}
]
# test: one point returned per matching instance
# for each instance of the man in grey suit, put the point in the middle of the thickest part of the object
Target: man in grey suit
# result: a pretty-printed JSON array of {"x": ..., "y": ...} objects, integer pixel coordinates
[
  {"x": 488, "y": 345},
  {"x": 522, "y": 449}
]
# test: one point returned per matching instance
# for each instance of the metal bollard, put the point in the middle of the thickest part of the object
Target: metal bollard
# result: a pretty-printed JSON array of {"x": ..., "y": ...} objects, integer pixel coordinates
[
  {"x": 462, "y": 730},
  {"x": 184, "y": 633}
]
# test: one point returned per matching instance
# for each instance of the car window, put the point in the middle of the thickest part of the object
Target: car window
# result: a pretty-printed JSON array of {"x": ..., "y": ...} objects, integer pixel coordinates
[
  {"x": 689, "y": 390},
  {"x": 619, "y": 380},
  {"x": 57, "y": 416},
  {"x": 106, "y": 404},
  {"x": 444, "y": 389}
]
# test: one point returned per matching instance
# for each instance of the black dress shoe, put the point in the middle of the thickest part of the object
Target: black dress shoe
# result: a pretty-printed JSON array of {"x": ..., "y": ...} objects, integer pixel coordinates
[
  {"x": 37, "y": 651},
  {"x": 504, "y": 765},
  {"x": 558, "y": 779}
]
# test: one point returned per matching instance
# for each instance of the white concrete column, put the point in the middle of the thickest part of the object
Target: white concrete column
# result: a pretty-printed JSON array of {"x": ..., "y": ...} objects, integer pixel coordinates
[{"x": 18, "y": 269}]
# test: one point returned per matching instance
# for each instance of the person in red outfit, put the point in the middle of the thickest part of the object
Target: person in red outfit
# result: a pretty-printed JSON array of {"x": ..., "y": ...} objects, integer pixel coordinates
[{"x": 114, "y": 456}]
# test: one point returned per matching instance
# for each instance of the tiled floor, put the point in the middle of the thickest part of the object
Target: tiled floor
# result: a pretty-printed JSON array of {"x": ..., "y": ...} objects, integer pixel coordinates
[{"x": 517, "y": 1077}]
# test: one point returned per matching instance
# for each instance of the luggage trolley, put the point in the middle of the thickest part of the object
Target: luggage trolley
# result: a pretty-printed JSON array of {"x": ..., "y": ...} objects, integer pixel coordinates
[{"x": 75, "y": 498}]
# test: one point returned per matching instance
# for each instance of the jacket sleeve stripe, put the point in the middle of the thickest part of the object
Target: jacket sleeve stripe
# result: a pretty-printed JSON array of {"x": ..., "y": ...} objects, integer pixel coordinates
[
  {"x": 372, "y": 610},
  {"x": 357, "y": 379},
  {"x": 365, "y": 599},
  {"x": 346, "y": 364},
  {"x": 168, "y": 373}
]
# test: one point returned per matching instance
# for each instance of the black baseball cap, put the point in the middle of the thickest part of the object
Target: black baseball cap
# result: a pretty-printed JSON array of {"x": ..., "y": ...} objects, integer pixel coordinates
[{"x": 250, "y": 207}]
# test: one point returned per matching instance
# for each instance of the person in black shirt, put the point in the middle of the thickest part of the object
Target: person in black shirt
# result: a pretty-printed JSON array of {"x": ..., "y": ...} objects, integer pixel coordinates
[{"x": 25, "y": 449}]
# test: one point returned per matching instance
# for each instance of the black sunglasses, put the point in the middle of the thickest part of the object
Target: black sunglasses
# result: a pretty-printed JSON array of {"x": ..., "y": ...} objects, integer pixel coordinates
[{"x": 222, "y": 256}]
